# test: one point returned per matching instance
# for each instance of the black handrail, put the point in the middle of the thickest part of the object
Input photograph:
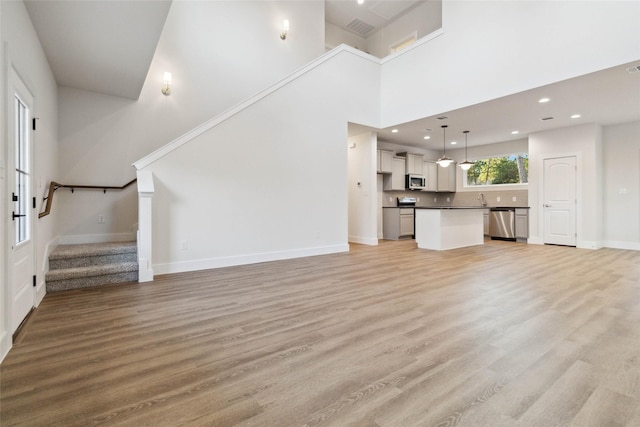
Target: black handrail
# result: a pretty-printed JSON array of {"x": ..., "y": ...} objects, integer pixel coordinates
[{"x": 53, "y": 186}]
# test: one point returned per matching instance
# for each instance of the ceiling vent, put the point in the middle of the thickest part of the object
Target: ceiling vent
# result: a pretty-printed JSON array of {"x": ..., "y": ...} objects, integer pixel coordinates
[
  {"x": 359, "y": 27},
  {"x": 634, "y": 69},
  {"x": 442, "y": 118},
  {"x": 546, "y": 118}
]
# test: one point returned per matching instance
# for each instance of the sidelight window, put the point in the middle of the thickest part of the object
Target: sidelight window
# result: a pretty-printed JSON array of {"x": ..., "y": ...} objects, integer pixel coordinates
[{"x": 22, "y": 164}]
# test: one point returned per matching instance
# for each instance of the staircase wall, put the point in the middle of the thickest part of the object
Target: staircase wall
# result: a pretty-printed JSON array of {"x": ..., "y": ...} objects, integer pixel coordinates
[{"x": 270, "y": 181}]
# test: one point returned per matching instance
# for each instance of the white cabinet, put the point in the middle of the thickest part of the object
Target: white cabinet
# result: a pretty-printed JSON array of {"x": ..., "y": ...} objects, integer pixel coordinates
[
  {"x": 385, "y": 161},
  {"x": 430, "y": 172},
  {"x": 414, "y": 164},
  {"x": 447, "y": 178},
  {"x": 522, "y": 224},
  {"x": 395, "y": 181},
  {"x": 397, "y": 223}
]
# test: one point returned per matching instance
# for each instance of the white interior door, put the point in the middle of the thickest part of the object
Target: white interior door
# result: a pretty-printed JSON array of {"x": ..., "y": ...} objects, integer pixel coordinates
[
  {"x": 560, "y": 201},
  {"x": 21, "y": 214}
]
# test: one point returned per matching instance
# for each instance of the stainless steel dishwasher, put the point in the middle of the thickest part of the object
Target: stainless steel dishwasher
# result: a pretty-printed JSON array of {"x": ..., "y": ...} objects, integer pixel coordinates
[{"x": 502, "y": 223}]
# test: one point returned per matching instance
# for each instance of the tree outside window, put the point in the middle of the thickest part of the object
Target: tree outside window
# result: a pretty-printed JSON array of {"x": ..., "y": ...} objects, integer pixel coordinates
[{"x": 511, "y": 169}]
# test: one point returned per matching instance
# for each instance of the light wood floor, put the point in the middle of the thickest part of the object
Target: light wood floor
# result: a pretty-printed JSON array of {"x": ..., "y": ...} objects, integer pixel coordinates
[{"x": 501, "y": 335}]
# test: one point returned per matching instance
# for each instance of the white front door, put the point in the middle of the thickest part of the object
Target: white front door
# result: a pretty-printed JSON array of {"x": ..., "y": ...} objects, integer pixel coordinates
[
  {"x": 559, "y": 201},
  {"x": 21, "y": 213}
]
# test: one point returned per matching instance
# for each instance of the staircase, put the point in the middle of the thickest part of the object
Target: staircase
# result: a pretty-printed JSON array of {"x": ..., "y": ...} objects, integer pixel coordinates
[{"x": 95, "y": 264}]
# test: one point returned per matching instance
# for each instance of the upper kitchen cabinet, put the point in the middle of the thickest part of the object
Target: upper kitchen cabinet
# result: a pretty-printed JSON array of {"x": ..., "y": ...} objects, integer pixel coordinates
[
  {"x": 413, "y": 163},
  {"x": 385, "y": 161},
  {"x": 395, "y": 181},
  {"x": 447, "y": 178},
  {"x": 430, "y": 172}
]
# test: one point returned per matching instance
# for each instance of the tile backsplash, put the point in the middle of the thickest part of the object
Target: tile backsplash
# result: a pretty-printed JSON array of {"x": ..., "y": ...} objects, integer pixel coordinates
[{"x": 466, "y": 198}]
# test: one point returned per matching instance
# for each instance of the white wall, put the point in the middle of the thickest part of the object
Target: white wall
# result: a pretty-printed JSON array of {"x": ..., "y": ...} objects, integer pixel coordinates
[
  {"x": 362, "y": 191},
  {"x": 585, "y": 143},
  {"x": 621, "y": 200},
  {"x": 219, "y": 53},
  {"x": 421, "y": 20},
  {"x": 491, "y": 49},
  {"x": 269, "y": 182},
  {"x": 335, "y": 36},
  {"x": 22, "y": 51}
]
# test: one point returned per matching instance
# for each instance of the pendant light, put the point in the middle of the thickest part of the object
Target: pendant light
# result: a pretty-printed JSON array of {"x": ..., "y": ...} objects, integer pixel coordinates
[
  {"x": 444, "y": 161},
  {"x": 466, "y": 165}
]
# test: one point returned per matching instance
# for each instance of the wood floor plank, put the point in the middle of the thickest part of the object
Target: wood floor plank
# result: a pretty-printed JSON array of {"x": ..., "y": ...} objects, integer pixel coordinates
[{"x": 503, "y": 334}]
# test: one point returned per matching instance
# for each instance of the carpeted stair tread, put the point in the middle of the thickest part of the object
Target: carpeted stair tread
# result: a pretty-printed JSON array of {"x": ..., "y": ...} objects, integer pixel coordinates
[
  {"x": 91, "y": 271},
  {"x": 92, "y": 249}
]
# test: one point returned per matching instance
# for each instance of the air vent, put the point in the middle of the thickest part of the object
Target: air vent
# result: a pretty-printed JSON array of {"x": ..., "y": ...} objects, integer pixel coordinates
[
  {"x": 546, "y": 118},
  {"x": 359, "y": 27},
  {"x": 632, "y": 70},
  {"x": 442, "y": 118}
]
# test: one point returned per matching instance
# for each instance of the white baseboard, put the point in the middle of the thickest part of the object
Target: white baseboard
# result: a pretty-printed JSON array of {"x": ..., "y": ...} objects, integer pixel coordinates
[
  {"x": 363, "y": 240},
  {"x": 588, "y": 244},
  {"x": 96, "y": 238},
  {"x": 633, "y": 246},
  {"x": 206, "y": 264},
  {"x": 5, "y": 345}
]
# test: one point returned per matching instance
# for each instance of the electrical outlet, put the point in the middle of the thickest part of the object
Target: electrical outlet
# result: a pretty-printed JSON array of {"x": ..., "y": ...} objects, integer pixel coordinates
[
  {"x": 513, "y": 199},
  {"x": 100, "y": 219},
  {"x": 448, "y": 199},
  {"x": 184, "y": 245},
  {"x": 435, "y": 200},
  {"x": 418, "y": 199},
  {"x": 390, "y": 199},
  {"x": 498, "y": 199}
]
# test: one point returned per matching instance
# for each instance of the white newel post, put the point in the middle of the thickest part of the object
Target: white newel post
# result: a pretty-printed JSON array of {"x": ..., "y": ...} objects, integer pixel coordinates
[{"x": 145, "y": 197}]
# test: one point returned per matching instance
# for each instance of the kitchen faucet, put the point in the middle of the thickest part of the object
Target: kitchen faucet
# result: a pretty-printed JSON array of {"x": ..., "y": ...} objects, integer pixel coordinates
[{"x": 482, "y": 200}]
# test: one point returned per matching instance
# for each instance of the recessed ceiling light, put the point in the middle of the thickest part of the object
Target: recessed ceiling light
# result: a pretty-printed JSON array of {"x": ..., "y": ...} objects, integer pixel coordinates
[
  {"x": 427, "y": 137},
  {"x": 360, "y": 1},
  {"x": 453, "y": 142},
  {"x": 515, "y": 132},
  {"x": 543, "y": 100},
  {"x": 394, "y": 130},
  {"x": 576, "y": 116}
]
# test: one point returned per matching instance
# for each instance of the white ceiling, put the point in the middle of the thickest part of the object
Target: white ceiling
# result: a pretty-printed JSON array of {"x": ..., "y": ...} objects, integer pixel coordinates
[
  {"x": 606, "y": 97},
  {"x": 101, "y": 46},
  {"x": 107, "y": 46},
  {"x": 367, "y": 18}
]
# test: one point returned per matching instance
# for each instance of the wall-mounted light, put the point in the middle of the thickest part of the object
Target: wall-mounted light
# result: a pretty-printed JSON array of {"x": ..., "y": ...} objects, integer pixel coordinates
[
  {"x": 285, "y": 29},
  {"x": 466, "y": 165},
  {"x": 444, "y": 161},
  {"x": 166, "y": 88}
]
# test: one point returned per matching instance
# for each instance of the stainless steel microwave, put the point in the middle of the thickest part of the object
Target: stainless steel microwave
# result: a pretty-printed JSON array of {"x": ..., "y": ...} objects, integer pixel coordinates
[{"x": 415, "y": 182}]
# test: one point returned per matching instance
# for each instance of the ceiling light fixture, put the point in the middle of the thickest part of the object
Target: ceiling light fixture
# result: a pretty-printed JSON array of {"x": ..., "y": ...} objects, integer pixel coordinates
[
  {"x": 427, "y": 137},
  {"x": 444, "y": 161},
  {"x": 394, "y": 130},
  {"x": 454, "y": 142},
  {"x": 285, "y": 29},
  {"x": 466, "y": 165},
  {"x": 576, "y": 116},
  {"x": 515, "y": 132},
  {"x": 543, "y": 100},
  {"x": 360, "y": 1},
  {"x": 166, "y": 88}
]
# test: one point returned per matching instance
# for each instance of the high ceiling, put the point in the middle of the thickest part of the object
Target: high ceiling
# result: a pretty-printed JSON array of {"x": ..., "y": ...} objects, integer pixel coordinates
[
  {"x": 366, "y": 18},
  {"x": 101, "y": 46},
  {"x": 107, "y": 46}
]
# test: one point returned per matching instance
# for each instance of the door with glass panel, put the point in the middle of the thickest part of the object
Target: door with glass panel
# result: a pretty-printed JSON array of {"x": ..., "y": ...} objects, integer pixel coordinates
[{"x": 21, "y": 215}]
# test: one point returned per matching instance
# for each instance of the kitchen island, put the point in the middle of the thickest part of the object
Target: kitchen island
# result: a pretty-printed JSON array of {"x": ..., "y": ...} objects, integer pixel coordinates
[{"x": 442, "y": 228}]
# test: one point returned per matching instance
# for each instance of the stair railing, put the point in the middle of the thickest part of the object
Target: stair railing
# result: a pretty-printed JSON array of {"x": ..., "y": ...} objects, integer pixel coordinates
[{"x": 53, "y": 186}]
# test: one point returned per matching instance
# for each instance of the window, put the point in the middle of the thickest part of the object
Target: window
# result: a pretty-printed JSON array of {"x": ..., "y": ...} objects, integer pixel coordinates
[
  {"x": 510, "y": 169},
  {"x": 21, "y": 193}
]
